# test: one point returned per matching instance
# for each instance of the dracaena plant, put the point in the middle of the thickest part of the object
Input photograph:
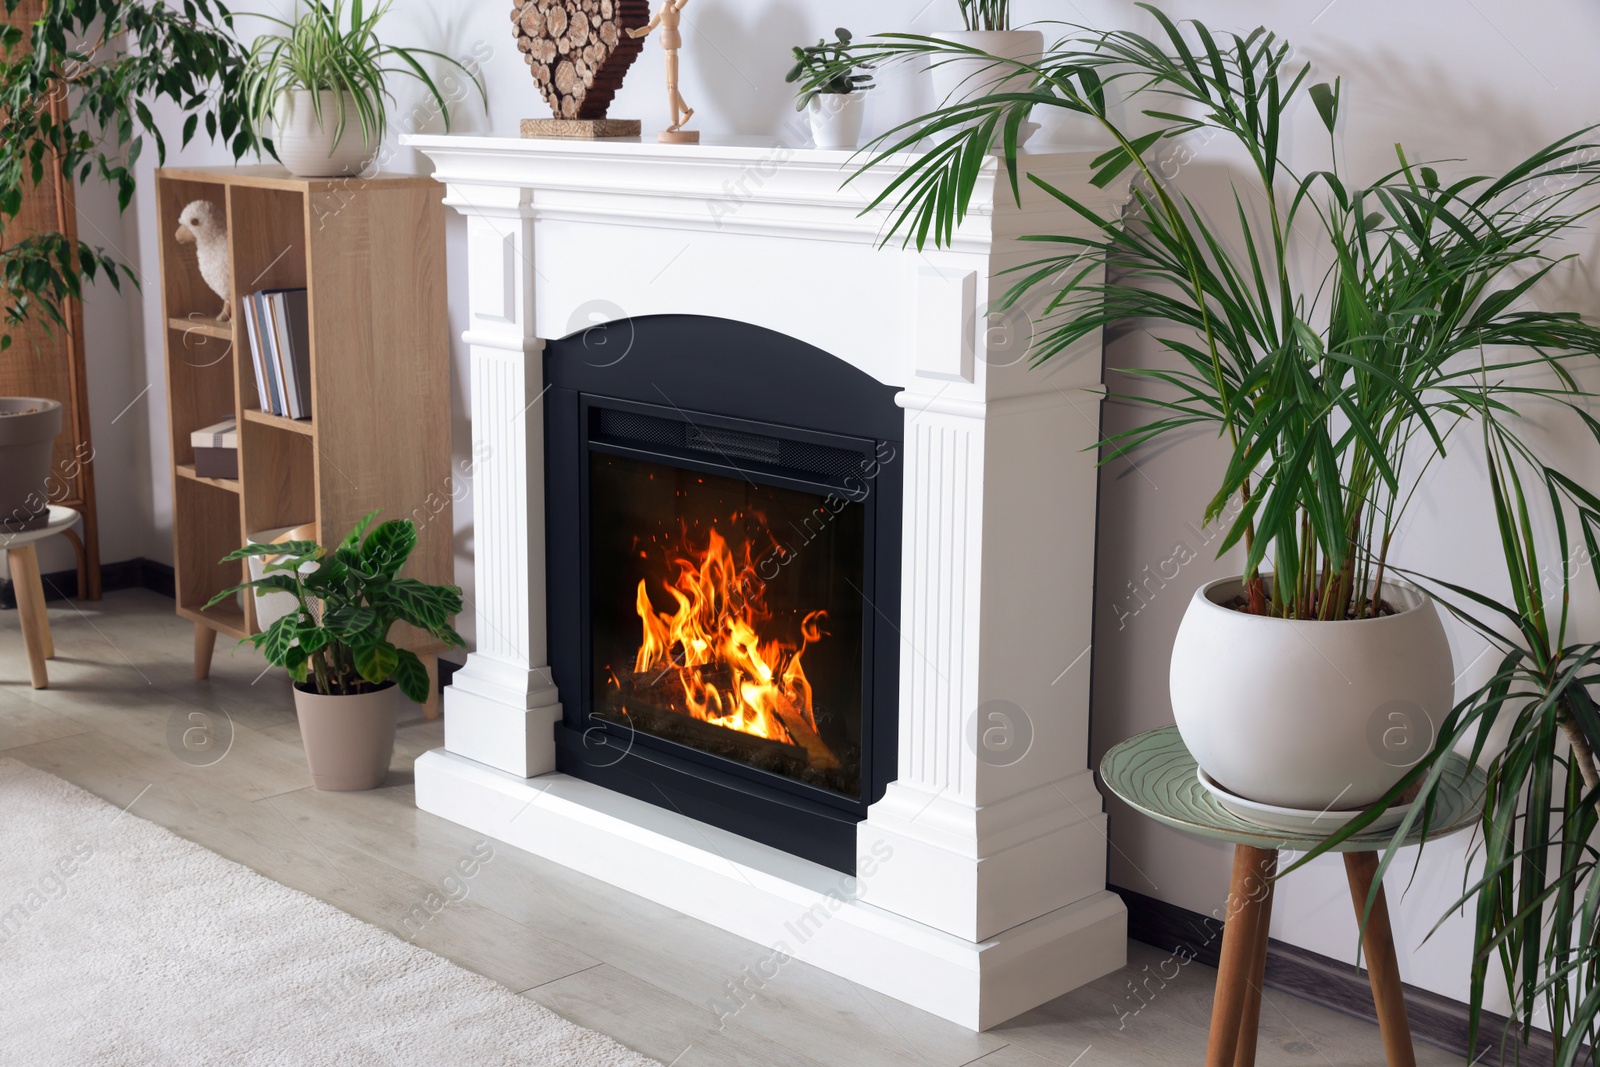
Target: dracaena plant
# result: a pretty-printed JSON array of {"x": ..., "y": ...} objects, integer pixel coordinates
[
  {"x": 336, "y": 641},
  {"x": 1333, "y": 394},
  {"x": 1534, "y": 728},
  {"x": 77, "y": 90}
]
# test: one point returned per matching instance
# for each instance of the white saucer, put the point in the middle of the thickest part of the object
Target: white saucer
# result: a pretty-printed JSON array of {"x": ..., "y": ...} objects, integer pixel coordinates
[{"x": 1297, "y": 820}]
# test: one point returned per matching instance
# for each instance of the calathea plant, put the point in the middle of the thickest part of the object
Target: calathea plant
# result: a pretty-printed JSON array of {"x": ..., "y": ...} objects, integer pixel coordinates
[{"x": 336, "y": 641}]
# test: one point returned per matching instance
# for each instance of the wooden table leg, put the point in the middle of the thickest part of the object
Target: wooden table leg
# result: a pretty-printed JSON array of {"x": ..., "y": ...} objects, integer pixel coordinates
[
  {"x": 1249, "y": 898},
  {"x": 205, "y": 642},
  {"x": 1377, "y": 944},
  {"x": 1250, "y": 1019},
  {"x": 24, "y": 566}
]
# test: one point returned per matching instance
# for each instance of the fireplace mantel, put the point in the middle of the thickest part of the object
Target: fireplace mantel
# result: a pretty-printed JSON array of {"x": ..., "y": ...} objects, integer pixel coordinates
[{"x": 980, "y": 891}]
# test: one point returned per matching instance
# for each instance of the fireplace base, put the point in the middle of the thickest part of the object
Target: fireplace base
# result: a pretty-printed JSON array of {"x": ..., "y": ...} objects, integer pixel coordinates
[{"x": 783, "y": 903}]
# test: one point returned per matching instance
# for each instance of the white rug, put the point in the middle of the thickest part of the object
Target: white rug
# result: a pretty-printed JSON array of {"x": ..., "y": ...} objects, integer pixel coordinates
[{"x": 123, "y": 944}]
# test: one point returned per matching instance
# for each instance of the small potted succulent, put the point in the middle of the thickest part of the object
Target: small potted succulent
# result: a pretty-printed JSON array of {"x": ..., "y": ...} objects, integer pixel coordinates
[
  {"x": 335, "y": 643},
  {"x": 832, "y": 92},
  {"x": 320, "y": 84}
]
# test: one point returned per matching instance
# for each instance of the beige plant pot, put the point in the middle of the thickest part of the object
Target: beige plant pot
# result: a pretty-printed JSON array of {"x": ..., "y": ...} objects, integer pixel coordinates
[{"x": 349, "y": 739}]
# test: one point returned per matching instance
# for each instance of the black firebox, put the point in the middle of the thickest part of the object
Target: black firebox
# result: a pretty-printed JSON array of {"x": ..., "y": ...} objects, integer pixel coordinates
[{"x": 723, "y": 513}]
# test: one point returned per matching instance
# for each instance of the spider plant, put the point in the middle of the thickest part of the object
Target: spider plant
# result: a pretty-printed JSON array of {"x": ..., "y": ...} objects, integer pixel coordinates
[
  {"x": 986, "y": 14},
  {"x": 1334, "y": 395},
  {"x": 333, "y": 46}
]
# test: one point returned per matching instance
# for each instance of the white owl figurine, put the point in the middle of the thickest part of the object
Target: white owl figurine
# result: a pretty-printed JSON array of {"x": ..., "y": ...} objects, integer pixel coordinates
[{"x": 201, "y": 224}]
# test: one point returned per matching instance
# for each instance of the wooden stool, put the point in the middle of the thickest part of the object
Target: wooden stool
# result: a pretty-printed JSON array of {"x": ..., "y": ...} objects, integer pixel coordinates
[
  {"x": 1155, "y": 774},
  {"x": 29, "y": 589}
]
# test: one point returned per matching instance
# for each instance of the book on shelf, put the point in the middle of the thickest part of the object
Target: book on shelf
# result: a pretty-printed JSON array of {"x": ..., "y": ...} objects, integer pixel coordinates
[
  {"x": 253, "y": 335},
  {"x": 278, "y": 324}
]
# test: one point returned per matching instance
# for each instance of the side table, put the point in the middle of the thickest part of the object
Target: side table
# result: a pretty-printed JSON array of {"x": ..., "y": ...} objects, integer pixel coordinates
[
  {"x": 23, "y": 564},
  {"x": 1154, "y": 774}
]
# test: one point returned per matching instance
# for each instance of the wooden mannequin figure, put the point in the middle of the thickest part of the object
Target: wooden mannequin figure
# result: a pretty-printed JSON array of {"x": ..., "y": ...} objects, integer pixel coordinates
[{"x": 668, "y": 19}]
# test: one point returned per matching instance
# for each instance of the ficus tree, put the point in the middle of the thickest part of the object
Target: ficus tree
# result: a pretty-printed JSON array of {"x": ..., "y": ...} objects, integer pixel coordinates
[{"x": 79, "y": 86}]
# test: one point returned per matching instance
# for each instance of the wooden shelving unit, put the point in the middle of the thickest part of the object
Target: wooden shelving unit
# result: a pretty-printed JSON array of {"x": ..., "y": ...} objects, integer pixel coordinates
[{"x": 370, "y": 253}]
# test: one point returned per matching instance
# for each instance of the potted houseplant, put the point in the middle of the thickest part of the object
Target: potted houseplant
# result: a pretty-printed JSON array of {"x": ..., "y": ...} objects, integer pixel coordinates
[
  {"x": 320, "y": 86},
  {"x": 969, "y": 66},
  {"x": 78, "y": 88},
  {"x": 832, "y": 93},
  {"x": 335, "y": 643},
  {"x": 1333, "y": 394}
]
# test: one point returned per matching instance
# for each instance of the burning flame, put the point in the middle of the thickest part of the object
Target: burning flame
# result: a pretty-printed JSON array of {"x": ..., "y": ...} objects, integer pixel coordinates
[{"x": 730, "y": 675}]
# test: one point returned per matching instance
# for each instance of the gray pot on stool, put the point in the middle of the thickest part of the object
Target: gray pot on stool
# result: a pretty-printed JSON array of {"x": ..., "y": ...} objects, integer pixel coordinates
[{"x": 28, "y": 429}]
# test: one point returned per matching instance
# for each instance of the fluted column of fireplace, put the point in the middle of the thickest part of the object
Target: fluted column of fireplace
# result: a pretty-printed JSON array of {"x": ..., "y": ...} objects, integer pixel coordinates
[{"x": 501, "y": 706}]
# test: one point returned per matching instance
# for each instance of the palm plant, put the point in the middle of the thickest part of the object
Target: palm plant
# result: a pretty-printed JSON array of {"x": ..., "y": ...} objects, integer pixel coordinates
[
  {"x": 334, "y": 47},
  {"x": 986, "y": 14},
  {"x": 1335, "y": 396}
]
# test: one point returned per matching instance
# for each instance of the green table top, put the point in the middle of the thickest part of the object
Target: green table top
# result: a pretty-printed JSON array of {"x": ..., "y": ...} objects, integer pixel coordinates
[{"x": 1154, "y": 773}]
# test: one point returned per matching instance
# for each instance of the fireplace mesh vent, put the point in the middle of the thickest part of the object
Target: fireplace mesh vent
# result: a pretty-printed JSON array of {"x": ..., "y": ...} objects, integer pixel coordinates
[{"x": 732, "y": 446}]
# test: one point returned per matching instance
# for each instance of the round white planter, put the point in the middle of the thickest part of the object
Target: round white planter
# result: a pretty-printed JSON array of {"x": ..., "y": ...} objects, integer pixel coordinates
[
  {"x": 305, "y": 142},
  {"x": 1310, "y": 715},
  {"x": 836, "y": 119},
  {"x": 270, "y": 607},
  {"x": 960, "y": 79}
]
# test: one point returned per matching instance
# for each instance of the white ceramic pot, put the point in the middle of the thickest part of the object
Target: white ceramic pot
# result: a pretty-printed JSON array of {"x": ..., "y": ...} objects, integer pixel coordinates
[
  {"x": 349, "y": 740},
  {"x": 270, "y": 607},
  {"x": 1310, "y": 715},
  {"x": 960, "y": 79},
  {"x": 836, "y": 119},
  {"x": 305, "y": 141}
]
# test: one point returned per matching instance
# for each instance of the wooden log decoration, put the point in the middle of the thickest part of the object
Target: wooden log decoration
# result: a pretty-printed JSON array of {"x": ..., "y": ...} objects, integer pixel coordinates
[{"x": 578, "y": 50}]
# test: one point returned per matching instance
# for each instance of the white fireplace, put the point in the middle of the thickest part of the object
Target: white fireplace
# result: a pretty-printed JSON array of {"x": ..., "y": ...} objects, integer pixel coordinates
[{"x": 981, "y": 887}]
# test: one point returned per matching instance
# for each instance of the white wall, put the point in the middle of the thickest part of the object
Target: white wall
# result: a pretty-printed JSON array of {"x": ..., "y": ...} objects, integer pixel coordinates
[{"x": 1485, "y": 80}]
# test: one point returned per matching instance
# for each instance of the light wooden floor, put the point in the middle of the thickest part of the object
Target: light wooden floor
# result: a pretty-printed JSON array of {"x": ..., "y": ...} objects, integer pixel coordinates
[{"x": 121, "y": 685}]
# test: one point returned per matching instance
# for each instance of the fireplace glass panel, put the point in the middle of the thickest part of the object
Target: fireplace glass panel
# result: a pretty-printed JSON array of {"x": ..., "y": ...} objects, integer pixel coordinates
[{"x": 726, "y": 615}]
